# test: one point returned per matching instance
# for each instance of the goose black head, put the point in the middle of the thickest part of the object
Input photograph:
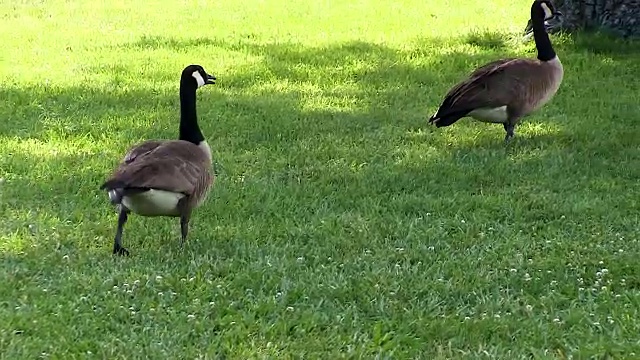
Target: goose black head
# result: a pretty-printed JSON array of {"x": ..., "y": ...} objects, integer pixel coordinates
[
  {"x": 543, "y": 11},
  {"x": 196, "y": 75}
]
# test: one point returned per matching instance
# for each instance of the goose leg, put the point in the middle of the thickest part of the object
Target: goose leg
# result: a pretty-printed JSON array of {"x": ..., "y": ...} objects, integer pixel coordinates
[
  {"x": 508, "y": 127},
  {"x": 184, "y": 228},
  {"x": 185, "y": 216},
  {"x": 117, "y": 242}
]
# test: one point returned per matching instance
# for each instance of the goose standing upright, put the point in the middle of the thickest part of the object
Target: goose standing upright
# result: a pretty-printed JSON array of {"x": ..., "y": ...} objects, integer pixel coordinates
[
  {"x": 505, "y": 90},
  {"x": 166, "y": 177}
]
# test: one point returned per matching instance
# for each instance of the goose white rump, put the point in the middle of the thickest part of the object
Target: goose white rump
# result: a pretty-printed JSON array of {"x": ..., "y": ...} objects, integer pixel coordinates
[
  {"x": 153, "y": 203},
  {"x": 490, "y": 115}
]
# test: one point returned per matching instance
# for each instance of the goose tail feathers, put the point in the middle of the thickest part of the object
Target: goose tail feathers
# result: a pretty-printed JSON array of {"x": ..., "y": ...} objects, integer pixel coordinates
[{"x": 117, "y": 189}]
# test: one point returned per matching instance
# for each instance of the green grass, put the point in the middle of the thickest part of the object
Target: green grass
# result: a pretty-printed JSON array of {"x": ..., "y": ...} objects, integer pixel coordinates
[{"x": 341, "y": 224}]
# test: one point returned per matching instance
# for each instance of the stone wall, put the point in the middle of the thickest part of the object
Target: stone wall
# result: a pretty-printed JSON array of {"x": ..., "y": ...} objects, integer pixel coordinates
[{"x": 618, "y": 16}]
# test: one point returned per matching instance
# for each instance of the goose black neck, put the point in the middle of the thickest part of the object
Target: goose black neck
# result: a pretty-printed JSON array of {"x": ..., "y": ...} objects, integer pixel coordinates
[
  {"x": 189, "y": 129},
  {"x": 543, "y": 44}
]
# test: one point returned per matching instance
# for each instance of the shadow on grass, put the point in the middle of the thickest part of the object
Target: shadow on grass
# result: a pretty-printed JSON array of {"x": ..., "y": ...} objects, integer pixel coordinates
[
  {"x": 601, "y": 43},
  {"x": 487, "y": 40},
  {"x": 341, "y": 128},
  {"x": 45, "y": 198},
  {"x": 41, "y": 112}
]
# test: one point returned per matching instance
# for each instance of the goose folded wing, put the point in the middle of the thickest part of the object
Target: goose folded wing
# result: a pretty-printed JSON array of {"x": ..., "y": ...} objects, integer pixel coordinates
[
  {"x": 141, "y": 150},
  {"x": 492, "y": 85},
  {"x": 174, "y": 174}
]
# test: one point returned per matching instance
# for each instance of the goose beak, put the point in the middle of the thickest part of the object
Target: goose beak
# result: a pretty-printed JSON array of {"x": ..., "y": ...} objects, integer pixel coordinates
[
  {"x": 548, "y": 24},
  {"x": 210, "y": 79},
  {"x": 528, "y": 29}
]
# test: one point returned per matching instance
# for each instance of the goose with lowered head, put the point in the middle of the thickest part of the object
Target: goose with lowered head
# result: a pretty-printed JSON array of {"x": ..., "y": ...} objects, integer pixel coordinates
[{"x": 506, "y": 90}]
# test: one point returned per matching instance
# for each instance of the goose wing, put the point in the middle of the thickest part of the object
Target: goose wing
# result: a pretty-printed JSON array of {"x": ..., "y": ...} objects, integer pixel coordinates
[
  {"x": 141, "y": 149},
  {"x": 175, "y": 165},
  {"x": 492, "y": 85}
]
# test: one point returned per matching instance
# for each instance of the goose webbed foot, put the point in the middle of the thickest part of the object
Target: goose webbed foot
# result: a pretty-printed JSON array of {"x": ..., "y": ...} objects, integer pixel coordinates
[
  {"x": 509, "y": 129},
  {"x": 119, "y": 250}
]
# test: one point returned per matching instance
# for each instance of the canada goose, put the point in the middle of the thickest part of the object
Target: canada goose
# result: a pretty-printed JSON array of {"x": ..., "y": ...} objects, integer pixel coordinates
[
  {"x": 166, "y": 177},
  {"x": 505, "y": 90}
]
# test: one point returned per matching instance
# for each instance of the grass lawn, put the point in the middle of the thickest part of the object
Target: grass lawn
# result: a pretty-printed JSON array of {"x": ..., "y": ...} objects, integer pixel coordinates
[{"x": 341, "y": 224}]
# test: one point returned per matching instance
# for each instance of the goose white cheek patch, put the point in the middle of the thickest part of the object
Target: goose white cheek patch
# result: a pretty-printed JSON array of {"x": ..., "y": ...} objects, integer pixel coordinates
[
  {"x": 547, "y": 12},
  {"x": 196, "y": 75}
]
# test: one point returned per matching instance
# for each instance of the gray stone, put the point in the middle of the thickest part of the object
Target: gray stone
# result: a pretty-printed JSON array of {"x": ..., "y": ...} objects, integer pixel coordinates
[{"x": 621, "y": 17}]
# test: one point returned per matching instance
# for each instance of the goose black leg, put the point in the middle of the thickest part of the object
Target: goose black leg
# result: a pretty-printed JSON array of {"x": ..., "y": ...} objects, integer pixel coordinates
[
  {"x": 185, "y": 216},
  {"x": 184, "y": 228},
  {"x": 508, "y": 127},
  {"x": 117, "y": 242}
]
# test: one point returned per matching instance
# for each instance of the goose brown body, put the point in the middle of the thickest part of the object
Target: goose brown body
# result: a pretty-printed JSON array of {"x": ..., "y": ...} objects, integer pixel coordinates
[
  {"x": 505, "y": 90},
  {"x": 155, "y": 173}
]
